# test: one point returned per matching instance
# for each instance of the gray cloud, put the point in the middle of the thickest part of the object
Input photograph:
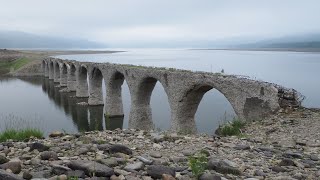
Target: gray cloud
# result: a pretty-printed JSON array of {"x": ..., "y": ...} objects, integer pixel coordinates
[{"x": 122, "y": 21}]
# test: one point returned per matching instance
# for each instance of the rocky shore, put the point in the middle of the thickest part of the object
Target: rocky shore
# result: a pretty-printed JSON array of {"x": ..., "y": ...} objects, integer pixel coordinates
[{"x": 286, "y": 146}]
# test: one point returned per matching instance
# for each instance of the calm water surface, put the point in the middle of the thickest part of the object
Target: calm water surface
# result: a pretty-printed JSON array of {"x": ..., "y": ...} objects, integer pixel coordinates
[{"x": 37, "y": 102}]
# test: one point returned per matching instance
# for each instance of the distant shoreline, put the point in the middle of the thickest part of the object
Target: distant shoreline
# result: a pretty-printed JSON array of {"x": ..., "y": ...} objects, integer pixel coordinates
[
  {"x": 67, "y": 52},
  {"x": 314, "y": 50}
]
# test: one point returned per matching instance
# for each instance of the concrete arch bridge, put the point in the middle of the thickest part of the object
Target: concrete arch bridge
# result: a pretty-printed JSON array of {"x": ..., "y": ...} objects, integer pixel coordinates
[{"x": 250, "y": 99}]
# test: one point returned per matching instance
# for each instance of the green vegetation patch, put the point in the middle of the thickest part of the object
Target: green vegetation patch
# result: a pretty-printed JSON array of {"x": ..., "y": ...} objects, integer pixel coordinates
[
  {"x": 231, "y": 128},
  {"x": 20, "y": 135},
  {"x": 198, "y": 163},
  {"x": 7, "y": 66}
]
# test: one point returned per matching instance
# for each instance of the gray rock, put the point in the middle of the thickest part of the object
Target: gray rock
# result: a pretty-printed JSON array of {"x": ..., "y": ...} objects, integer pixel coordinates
[
  {"x": 155, "y": 154},
  {"x": 259, "y": 173},
  {"x": 8, "y": 176},
  {"x": 292, "y": 155},
  {"x": 8, "y": 144},
  {"x": 314, "y": 157},
  {"x": 224, "y": 166},
  {"x": 156, "y": 171},
  {"x": 14, "y": 166},
  {"x": 26, "y": 176},
  {"x": 286, "y": 162},
  {"x": 109, "y": 162},
  {"x": 3, "y": 159},
  {"x": 130, "y": 177},
  {"x": 90, "y": 167},
  {"x": 188, "y": 152},
  {"x": 46, "y": 155},
  {"x": 56, "y": 134},
  {"x": 58, "y": 169},
  {"x": 82, "y": 150},
  {"x": 144, "y": 160},
  {"x": 242, "y": 147},
  {"x": 41, "y": 174},
  {"x": 207, "y": 176},
  {"x": 278, "y": 169},
  {"x": 135, "y": 166},
  {"x": 35, "y": 161},
  {"x": 157, "y": 138},
  {"x": 38, "y": 146},
  {"x": 308, "y": 163},
  {"x": 104, "y": 147},
  {"x": 1, "y": 147},
  {"x": 118, "y": 148},
  {"x": 180, "y": 168},
  {"x": 76, "y": 173}
]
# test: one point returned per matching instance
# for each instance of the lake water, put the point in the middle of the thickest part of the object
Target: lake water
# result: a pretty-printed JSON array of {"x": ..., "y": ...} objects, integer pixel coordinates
[{"x": 37, "y": 102}]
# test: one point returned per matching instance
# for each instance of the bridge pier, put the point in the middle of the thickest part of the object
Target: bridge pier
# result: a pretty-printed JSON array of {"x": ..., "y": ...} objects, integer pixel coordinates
[
  {"x": 140, "y": 113},
  {"x": 95, "y": 87},
  {"x": 82, "y": 84},
  {"x": 56, "y": 72},
  {"x": 46, "y": 70},
  {"x": 51, "y": 70},
  {"x": 71, "y": 78},
  {"x": 113, "y": 82},
  {"x": 184, "y": 104},
  {"x": 63, "y": 75}
]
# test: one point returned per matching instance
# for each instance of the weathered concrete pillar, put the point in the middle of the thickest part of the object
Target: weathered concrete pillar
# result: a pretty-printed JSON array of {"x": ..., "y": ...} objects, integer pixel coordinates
[
  {"x": 140, "y": 113},
  {"x": 63, "y": 75},
  {"x": 182, "y": 118},
  {"x": 95, "y": 87},
  {"x": 71, "y": 78},
  {"x": 56, "y": 72},
  {"x": 46, "y": 69},
  {"x": 82, "y": 84},
  {"x": 51, "y": 70},
  {"x": 114, "y": 106},
  {"x": 43, "y": 66}
]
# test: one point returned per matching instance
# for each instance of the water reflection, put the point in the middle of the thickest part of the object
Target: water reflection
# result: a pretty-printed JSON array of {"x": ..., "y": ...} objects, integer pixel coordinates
[{"x": 85, "y": 118}]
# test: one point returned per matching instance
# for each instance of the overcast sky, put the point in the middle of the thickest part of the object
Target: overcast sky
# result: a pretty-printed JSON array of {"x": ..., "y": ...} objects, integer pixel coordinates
[{"x": 122, "y": 21}]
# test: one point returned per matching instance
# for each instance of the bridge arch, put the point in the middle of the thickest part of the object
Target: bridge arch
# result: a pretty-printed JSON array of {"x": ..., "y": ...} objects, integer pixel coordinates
[
  {"x": 114, "y": 102},
  {"x": 56, "y": 72},
  {"x": 82, "y": 82},
  {"x": 141, "y": 112},
  {"x": 95, "y": 87},
  {"x": 63, "y": 74},
  {"x": 45, "y": 68},
  {"x": 51, "y": 70},
  {"x": 71, "y": 77},
  {"x": 183, "y": 119}
]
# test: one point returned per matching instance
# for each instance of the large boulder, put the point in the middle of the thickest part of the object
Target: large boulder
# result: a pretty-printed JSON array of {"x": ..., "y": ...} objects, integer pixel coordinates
[
  {"x": 14, "y": 166},
  {"x": 91, "y": 167},
  {"x": 49, "y": 155},
  {"x": 38, "y": 146},
  {"x": 156, "y": 171},
  {"x": 119, "y": 148},
  {"x": 9, "y": 176},
  {"x": 3, "y": 159}
]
